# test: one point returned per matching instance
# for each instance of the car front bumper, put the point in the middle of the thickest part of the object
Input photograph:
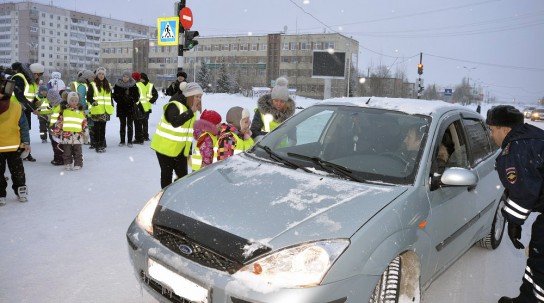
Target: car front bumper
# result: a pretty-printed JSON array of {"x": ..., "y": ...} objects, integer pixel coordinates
[{"x": 224, "y": 287}]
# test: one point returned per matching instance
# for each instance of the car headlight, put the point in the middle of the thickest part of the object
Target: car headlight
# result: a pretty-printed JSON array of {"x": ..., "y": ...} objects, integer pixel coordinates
[
  {"x": 295, "y": 267},
  {"x": 146, "y": 214}
]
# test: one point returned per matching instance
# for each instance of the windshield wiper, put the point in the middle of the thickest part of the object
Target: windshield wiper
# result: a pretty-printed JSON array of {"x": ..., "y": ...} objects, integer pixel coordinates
[
  {"x": 278, "y": 158},
  {"x": 328, "y": 166}
]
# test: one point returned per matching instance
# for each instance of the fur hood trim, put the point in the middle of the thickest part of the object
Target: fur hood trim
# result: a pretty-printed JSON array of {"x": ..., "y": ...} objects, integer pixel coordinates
[
  {"x": 205, "y": 126},
  {"x": 131, "y": 82},
  {"x": 264, "y": 104}
]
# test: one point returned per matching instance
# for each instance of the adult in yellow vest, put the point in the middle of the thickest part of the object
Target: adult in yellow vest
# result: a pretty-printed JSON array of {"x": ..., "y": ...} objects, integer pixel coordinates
[
  {"x": 235, "y": 135},
  {"x": 205, "y": 133},
  {"x": 99, "y": 94},
  {"x": 148, "y": 96},
  {"x": 272, "y": 109},
  {"x": 14, "y": 130},
  {"x": 174, "y": 134},
  {"x": 26, "y": 87},
  {"x": 55, "y": 102}
]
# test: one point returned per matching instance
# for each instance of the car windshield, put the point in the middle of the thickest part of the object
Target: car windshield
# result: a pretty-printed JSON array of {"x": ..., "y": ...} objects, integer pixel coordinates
[{"x": 373, "y": 145}]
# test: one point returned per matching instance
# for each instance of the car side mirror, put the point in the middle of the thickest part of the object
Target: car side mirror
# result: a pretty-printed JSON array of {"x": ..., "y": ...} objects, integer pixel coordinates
[{"x": 454, "y": 176}]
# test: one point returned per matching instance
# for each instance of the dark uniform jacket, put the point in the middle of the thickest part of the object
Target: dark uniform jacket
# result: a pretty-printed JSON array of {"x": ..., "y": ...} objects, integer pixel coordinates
[{"x": 521, "y": 169}]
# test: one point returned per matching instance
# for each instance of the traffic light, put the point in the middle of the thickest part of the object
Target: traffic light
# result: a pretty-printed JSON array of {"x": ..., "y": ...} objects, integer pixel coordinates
[
  {"x": 189, "y": 40},
  {"x": 420, "y": 69}
]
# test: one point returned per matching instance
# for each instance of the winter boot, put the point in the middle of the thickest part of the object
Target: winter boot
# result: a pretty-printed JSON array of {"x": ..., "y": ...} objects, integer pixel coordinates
[
  {"x": 22, "y": 194},
  {"x": 2, "y": 201},
  {"x": 129, "y": 144},
  {"x": 30, "y": 158},
  {"x": 67, "y": 166},
  {"x": 57, "y": 163},
  {"x": 77, "y": 167}
]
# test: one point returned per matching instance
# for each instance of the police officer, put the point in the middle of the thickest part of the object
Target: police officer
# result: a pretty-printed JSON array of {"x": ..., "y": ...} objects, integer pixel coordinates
[{"x": 521, "y": 169}]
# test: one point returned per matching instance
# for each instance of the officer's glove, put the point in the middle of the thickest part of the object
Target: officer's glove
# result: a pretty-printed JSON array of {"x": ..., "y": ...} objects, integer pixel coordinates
[{"x": 514, "y": 232}]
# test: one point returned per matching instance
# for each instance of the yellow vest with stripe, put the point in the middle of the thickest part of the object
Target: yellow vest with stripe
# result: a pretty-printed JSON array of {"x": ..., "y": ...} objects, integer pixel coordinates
[
  {"x": 171, "y": 141},
  {"x": 10, "y": 136},
  {"x": 103, "y": 100},
  {"x": 242, "y": 145},
  {"x": 30, "y": 89},
  {"x": 55, "y": 116},
  {"x": 45, "y": 108},
  {"x": 146, "y": 93},
  {"x": 196, "y": 158},
  {"x": 268, "y": 123},
  {"x": 73, "y": 120}
]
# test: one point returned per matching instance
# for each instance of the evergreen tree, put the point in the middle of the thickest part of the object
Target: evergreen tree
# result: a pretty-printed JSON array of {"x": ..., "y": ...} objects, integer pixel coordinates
[
  {"x": 203, "y": 77},
  {"x": 223, "y": 83}
]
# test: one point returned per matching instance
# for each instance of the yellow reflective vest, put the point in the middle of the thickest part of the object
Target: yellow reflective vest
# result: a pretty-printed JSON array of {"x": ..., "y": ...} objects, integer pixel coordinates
[
  {"x": 268, "y": 122},
  {"x": 30, "y": 89},
  {"x": 242, "y": 145},
  {"x": 171, "y": 141},
  {"x": 45, "y": 108},
  {"x": 73, "y": 120},
  {"x": 196, "y": 157},
  {"x": 103, "y": 100},
  {"x": 146, "y": 93},
  {"x": 10, "y": 136},
  {"x": 55, "y": 116}
]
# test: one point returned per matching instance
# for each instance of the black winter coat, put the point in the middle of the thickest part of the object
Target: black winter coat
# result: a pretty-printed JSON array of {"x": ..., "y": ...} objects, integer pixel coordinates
[{"x": 125, "y": 94}]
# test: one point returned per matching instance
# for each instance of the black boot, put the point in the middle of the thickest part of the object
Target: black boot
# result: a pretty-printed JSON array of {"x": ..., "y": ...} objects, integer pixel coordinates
[
  {"x": 506, "y": 300},
  {"x": 30, "y": 158}
]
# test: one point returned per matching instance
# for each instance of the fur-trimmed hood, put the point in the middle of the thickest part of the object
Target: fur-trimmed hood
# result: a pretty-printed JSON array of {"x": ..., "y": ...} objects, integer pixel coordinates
[
  {"x": 264, "y": 104},
  {"x": 202, "y": 126},
  {"x": 131, "y": 82}
]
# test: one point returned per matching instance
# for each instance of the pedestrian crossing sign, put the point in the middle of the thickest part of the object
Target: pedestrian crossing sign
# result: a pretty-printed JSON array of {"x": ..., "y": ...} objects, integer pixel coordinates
[{"x": 167, "y": 31}]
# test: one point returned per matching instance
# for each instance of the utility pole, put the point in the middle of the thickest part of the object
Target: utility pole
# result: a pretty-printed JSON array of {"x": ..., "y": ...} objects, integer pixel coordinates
[
  {"x": 420, "y": 72},
  {"x": 181, "y": 31},
  {"x": 468, "y": 83}
]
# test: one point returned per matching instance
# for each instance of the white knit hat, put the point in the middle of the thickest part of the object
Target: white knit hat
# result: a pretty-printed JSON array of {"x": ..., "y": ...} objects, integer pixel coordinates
[
  {"x": 190, "y": 89},
  {"x": 280, "y": 91},
  {"x": 37, "y": 68},
  {"x": 72, "y": 95},
  {"x": 100, "y": 70}
]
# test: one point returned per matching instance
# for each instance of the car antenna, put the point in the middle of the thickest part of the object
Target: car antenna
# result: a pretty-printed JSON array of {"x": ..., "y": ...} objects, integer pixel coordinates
[{"x": 368, "y": 101}]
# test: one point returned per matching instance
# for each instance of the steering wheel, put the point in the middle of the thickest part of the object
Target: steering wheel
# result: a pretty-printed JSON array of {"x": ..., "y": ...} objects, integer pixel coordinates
[{"x": 396, "y": 157}]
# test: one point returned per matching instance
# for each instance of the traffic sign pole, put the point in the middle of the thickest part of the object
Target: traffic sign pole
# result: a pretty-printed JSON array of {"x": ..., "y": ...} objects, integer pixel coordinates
[{"x": 181, "y": 6}]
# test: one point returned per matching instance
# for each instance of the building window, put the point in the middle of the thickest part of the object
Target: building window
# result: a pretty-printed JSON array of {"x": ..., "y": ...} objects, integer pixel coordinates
[
  {"x": 285, "y": 46},
  {"x": 225, "y": 47},
  {"x": 234, "y": 47},
  {"x": 244, "y": 47},
  {"x": 215, "y": 47},
  {"x": 294, "y": 45},
  {"x": 304, "y": 46},
  {"x": 329, "y": 45},
  {"x": 262, "y": 46},
  {"x": 254, "y": 47},
  {"x": 318, "y": 45}
]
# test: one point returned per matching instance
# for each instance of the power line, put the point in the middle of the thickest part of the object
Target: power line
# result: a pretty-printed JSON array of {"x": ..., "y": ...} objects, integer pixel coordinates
[{"x": 532, "y": 69}]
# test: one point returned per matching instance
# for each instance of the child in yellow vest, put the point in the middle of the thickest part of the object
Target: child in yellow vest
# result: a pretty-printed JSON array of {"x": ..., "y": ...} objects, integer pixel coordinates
[
  {"x": 70, "y": 128},
  {"x": 205, "y": 131}
]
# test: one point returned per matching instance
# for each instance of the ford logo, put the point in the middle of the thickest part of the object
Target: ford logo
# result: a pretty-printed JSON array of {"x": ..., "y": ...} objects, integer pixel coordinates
[{"x": 185, "y": 249}]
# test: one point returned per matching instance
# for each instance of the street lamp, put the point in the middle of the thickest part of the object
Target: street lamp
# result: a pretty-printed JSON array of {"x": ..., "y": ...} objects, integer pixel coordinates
[{"x": 468, "y": 82}]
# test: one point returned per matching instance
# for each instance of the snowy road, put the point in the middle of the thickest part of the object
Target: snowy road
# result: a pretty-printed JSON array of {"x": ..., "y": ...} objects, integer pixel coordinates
[{"x": 67, "y": 244}]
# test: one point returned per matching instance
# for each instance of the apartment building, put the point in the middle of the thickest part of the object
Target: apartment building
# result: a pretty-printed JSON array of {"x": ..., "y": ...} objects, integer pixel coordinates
[
  {"x": 61, "y": 39},
  {"x": 252, "y": 61}
]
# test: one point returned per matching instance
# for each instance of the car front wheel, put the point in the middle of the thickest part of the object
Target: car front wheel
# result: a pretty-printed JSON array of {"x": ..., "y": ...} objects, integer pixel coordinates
[
  {"x": 399, "y": 282},
  {"x": 494, "y": 238}
]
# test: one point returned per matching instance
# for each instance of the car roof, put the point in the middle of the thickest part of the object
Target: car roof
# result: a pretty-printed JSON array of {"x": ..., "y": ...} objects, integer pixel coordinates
[{"x": 409, "y": 106}]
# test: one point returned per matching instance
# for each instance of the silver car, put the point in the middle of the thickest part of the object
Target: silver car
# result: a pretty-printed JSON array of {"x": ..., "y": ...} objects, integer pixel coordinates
[{"x": 350, "y": 200}]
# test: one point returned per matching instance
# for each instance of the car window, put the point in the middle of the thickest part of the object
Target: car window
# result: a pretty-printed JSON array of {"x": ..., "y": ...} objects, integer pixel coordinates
[
  {"x": 478, "y": 138},
  {"x": 375, "y": 144},
  {"x": 458, "y": 157}
]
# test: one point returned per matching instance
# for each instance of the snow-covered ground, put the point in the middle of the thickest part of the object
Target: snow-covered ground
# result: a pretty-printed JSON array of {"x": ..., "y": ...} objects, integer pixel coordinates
[{"x": 67, "y": 244}]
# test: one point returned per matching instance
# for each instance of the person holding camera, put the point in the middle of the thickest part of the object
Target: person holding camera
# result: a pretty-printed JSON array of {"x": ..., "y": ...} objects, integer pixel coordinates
[{"x": 14, "y": 128}]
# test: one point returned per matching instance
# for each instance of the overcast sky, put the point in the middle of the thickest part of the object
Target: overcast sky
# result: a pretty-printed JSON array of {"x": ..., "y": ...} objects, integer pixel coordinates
[{"x": 499, "y": 41}]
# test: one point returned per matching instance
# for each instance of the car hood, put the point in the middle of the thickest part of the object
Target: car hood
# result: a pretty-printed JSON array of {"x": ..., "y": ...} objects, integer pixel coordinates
[{"x": 273, "y": 205}]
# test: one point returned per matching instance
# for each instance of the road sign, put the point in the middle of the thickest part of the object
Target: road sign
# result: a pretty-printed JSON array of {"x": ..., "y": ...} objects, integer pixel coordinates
[
  {"x": 167, "y": 31},
  {"x": 186, "y": 18},
  {"x": 448, "y": 92}
]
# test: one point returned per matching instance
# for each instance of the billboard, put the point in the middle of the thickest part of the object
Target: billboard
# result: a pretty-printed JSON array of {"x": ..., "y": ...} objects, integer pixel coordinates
[{"x": 327, "y": 65}]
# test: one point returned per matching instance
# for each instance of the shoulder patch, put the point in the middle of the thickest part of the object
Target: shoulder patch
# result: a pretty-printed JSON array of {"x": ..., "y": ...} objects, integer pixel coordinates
[
  {"x": 506, "y": 149},
  {"x": 511, "y": 175}
]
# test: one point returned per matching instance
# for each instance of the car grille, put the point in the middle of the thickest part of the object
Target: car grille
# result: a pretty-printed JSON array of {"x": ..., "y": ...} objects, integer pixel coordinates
[{"x": 200, "y": 254}]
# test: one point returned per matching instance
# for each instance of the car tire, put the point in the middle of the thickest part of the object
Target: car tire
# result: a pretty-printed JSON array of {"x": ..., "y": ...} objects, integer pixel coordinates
[
  {"x": 388, "y": 288},
  {"x": 494, "y": 238}
]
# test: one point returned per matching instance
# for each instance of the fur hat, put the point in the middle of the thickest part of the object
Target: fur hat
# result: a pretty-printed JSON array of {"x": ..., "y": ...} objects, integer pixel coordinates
[
  {"x": 190, "y": 89},
  {"x": 56, "y": 75},
  {"x": 136, "y": 76},
  {"x": 235, "y": 116},
  {"x": 280, "y": 91},
  {"x": 126, "y": 73},
  {"x": 211, "y": 116},
  {"x": 144, "y": 77},
  {"x": 100, "y": 70},
  {"x": 504, "y": 115},
  {"x": 85, "y": 75},
  {"x": 53, "y": 97},
  {"x": 72, "y": 95},
  {"x": 182, "y": 74},
  {"x": 36, "y": 68}
]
